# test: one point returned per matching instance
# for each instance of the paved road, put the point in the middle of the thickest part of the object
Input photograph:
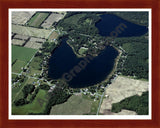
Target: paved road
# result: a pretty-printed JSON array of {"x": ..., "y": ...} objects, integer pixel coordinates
[{"x": 100, "y": 102}]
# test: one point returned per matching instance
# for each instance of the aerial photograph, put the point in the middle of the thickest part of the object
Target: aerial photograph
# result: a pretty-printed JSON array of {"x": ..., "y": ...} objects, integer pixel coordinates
[{"x": 79, "y": 62}]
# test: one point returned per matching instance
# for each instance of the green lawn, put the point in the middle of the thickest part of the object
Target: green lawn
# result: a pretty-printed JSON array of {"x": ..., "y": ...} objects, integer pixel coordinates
[
  {"x": 37, "y": 19},
  {"x": 37, "y": 106},
  {"x": 76, "y": 105}
]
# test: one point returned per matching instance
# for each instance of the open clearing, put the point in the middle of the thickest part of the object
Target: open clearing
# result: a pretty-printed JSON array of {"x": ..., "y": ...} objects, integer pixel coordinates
[
  {"x": 51, "y": 19},
  {"x": 76, "y": 105},
  {"x": 37, "y": 19},
  {"x": 30, "y": 31},
  {"x": 21, "y": 17},
  {"x": 120, "y": 89}
]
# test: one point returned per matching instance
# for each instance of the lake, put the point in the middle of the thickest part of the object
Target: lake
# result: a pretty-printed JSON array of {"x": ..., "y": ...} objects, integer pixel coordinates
[
  {"x": 84, "y": 72},
  {"x": 109, "y": 22},
  {"x": 81, "y": 72}
]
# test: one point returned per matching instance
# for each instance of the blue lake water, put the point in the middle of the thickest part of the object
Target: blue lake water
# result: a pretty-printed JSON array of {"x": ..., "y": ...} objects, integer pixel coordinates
[
  {"x": 109, "y": 23},
  {"x": 83, "y": 72},
  {"x": 91, "y": 70}
]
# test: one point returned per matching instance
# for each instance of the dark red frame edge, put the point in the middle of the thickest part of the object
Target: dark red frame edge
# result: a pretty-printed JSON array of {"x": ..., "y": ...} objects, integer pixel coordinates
[{"x": 5, "y": 5}]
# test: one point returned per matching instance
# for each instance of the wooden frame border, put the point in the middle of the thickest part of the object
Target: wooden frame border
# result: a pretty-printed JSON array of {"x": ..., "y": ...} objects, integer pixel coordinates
[{"x": 6, "y": 4}]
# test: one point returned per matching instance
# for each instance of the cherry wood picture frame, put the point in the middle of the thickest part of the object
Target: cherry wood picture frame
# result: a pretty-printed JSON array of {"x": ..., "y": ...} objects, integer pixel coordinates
[{"x": 4, "y": 57}]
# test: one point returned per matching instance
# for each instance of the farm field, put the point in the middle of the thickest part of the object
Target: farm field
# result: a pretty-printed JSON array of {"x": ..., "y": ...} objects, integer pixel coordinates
[
  {"x": 34, "y": 66},
  {"x": 121, "y": 88},
  {"x": 30, "y": 31},
  {"x": 21, "y": 53},
  {"x": 38, "y": 40},
  {"x": 21, "y": 17},
  {"x": 76, "y": 105},
  {"x": 20, "y": 37},
  {"x": 20, "y": 57},
  {"x": 37, "y": 19},
  {"x": 18, "y": 42},
  {"x": 18, "y": 65},
  {"x": 94, "y": 105},
  {"x": 51, "y": 19},
  {"x": 35, "y": 107},
  {"x": 53, "y": 36},
  {"x": 33, "y": 45}
]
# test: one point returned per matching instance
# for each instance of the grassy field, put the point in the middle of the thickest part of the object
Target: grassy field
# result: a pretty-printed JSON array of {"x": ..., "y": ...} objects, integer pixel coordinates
[
  {"x": 15, "y": 93},
  {"x": 37, "y": 106},
  {"x": 30, "y": 31},
  {"x": 23, "y": 55},
  {"x": 18, "y": 65},
  {"x": 37, "y": 19},
  {"x": 76, "y": 105},
  {"x": 94, "y": 105},
  {"x": 34, "y": 66}
]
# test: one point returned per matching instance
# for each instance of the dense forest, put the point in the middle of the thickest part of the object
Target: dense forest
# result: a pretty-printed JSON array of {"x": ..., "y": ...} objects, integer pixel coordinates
[
  {"x": 136, "y": 103},
  {"x": 136, "y": 61}
]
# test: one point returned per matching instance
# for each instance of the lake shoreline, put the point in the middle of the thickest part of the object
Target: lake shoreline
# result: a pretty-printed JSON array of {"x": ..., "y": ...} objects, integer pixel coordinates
[
  {"x": 114, "y": 67},
  {"x": 108, "y": 63},
  {"x": 112, "y": 71}
]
